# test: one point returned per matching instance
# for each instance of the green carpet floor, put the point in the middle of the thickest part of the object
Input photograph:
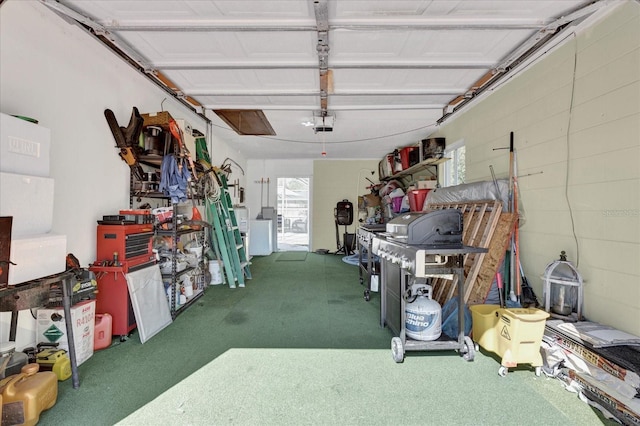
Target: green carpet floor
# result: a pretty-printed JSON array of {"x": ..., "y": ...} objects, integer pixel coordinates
[{"x": 299, "y": 345}]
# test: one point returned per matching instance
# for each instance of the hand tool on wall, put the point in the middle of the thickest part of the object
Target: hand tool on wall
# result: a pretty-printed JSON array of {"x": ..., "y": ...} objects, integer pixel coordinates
[
  {"x": 127, "y": 139},
  {"x": 516, "y": 232}
]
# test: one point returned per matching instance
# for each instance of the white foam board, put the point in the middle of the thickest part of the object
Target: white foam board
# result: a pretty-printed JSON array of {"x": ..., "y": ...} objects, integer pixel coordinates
[
  {"x": 37, "y": 256},
  {"x": 29, "y": 199},
  {"x": 25, "y": 331},
  {"x": 24, "y": 147}
]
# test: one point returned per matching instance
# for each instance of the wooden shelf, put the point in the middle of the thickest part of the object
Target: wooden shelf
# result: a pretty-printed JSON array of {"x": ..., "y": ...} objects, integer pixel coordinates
[{"x": 430, "y": 162}]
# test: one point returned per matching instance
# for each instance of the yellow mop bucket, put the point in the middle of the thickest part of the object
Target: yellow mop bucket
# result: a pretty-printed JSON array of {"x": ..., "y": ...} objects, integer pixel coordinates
[{"x": 515, "y": 334}]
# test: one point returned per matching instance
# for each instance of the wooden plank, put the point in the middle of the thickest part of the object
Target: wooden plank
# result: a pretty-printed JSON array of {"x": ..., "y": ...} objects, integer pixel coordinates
[
  {"x": 487, "y": 238},
  {"x": 492, "y": 259},
  {"x": 480, "y": 219}
]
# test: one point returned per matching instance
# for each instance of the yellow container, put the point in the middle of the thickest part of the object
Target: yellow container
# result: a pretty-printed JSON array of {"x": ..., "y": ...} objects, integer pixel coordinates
[
  {"x": 27, "y": 394},
  {"x": 515, "y": 334}
]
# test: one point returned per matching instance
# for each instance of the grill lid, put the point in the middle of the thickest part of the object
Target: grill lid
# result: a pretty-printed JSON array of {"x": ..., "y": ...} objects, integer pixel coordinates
[{"x": 429, "y": 227}]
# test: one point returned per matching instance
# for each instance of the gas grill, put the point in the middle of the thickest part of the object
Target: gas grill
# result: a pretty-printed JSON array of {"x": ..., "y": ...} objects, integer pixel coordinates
[
  {"x": 368, "y": 269},
  {"x": 416, "y": 247}
]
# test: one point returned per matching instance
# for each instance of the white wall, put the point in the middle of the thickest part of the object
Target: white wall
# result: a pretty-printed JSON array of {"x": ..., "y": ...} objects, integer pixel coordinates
[
  {"x": 580, "y": 141},
  {"x": 331, "y": 181},
  {"x": 58, "y": 74},
  {"x": 334, "y": 181},
  {"x": 263, "y": 194}
]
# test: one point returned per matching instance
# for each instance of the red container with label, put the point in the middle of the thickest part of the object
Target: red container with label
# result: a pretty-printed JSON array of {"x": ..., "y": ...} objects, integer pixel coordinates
[
  {"x": 102, "y": 331},
  {"x": 416, "y": 199}
]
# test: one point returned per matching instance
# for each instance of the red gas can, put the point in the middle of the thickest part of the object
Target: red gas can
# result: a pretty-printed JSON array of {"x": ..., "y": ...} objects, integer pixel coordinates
[{"x": 102, "y": 331}]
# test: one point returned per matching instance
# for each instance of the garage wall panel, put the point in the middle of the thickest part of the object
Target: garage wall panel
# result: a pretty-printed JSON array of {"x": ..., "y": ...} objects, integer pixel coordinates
[{"x": 583, "y": 136}]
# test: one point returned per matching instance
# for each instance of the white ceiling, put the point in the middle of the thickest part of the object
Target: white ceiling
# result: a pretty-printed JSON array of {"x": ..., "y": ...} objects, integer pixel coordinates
[{"x": 395, "y": 64}]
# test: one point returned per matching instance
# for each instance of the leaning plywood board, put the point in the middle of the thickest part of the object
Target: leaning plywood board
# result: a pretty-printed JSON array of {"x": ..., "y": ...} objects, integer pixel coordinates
[
  {"x": 492, "y": 259},
  {"x": 480, "y": 219}
]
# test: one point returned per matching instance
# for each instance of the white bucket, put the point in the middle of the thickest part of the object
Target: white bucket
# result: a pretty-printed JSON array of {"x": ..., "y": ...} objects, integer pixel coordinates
[
  {"x": 215, "y": 271},
  {"x": 423, "y": 315}
]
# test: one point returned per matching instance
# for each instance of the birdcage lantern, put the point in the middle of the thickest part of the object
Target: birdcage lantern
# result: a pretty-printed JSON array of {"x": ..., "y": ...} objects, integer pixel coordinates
[{"x": 563, "y": 289}]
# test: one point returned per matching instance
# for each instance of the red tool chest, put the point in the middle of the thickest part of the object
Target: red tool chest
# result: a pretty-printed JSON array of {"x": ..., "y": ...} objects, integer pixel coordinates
[{"x": 131, "y": 242}]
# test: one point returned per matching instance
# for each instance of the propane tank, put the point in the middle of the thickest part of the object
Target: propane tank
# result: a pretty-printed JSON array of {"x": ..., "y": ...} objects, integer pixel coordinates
[{"x": 423, "y": 315}]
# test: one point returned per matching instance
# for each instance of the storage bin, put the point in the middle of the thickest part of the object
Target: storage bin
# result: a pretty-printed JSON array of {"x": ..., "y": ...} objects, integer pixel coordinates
[
  {"x": 397, "y": 204},
  {"x": 416, "y": 199},
  {"x": 515, "y": 334},
  {"x": 432, "y": 148},
  {"x": 409, "y": 156}
]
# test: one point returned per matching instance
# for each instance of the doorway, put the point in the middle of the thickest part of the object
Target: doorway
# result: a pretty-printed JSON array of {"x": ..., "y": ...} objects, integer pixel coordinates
[{"x": 293, "y": 214}]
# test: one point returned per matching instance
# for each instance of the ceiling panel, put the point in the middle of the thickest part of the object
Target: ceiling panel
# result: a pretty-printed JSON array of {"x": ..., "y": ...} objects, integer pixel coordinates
[
  {"x": 307, "y": 103},
  {"x": 427, "y": 45},
  {"x": 237, "y": 47},
  {"x": 451, "y": 81},
  {"x": 246, "y": 80},
  {"x": 392, "y": 69},
  {"x": 179, "y": 12}
]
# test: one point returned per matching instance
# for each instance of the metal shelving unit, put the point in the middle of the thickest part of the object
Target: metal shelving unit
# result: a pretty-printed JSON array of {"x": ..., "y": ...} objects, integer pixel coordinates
[{"x": 174, "y": 276}]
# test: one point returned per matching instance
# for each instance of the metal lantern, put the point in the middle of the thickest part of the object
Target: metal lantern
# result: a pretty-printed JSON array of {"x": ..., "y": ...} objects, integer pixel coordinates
[{"x": 563, "y": 290}]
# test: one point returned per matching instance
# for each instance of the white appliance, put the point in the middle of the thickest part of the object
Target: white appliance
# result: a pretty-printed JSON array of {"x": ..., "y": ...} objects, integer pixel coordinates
[
  {"x": 271, "y": 213},
  {"x": 260, "y": 243}
]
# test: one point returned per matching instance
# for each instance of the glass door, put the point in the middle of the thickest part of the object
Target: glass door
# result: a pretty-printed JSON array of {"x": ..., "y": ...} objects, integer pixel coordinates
[{"x": 293, "y": 214}]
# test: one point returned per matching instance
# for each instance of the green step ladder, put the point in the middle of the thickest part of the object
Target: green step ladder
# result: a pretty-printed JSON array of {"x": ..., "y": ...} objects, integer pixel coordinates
[{"x": 228, "y": 237}]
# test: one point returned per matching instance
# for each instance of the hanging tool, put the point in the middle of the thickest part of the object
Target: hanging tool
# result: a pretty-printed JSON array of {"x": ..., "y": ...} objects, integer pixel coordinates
[
  {"x": 261, "y": 192},
  {"x": 516, "y": 232},
  {"x": 127, "y": 139},
  {"x": 495, "y": 182}
]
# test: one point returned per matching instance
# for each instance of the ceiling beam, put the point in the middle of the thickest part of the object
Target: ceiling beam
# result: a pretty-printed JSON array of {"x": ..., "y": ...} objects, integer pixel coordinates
[
  {"x": 307, "y": 108},
  {"x": 420, "y": 24},
  {"x": 322, "y": 47},
  {"x": 301, "y": 66},
  {"x": 280, "y": 93}
]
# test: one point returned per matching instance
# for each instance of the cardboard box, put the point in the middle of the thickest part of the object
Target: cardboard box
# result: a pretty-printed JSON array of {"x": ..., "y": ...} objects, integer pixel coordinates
[
  {"x": 426, "y": 184},
  {"x": 371, "y": 200},
  {"x": 160, "y": 119},
  {"x": 51, "y": 328}
]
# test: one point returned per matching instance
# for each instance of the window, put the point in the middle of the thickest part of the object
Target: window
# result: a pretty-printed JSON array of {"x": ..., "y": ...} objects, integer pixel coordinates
[{"x": 454, "y": 170}]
